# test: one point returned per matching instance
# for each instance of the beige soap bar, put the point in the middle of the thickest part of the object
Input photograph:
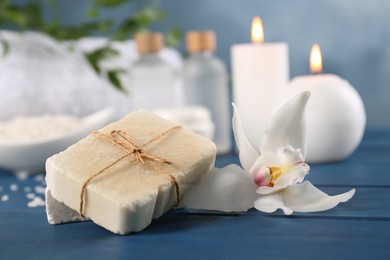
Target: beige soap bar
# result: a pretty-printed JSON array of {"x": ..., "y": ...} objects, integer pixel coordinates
[
  {"x": 126, "y": 196},
  {"x": 58, "y": 213}
]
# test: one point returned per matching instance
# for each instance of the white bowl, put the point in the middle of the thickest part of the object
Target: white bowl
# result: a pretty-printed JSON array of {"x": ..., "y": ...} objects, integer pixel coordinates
[{"x": 31, "y": 156}]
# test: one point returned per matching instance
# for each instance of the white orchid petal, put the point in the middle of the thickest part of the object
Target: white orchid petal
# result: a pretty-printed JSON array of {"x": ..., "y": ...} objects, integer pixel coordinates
[
  {"x": 264, "y": 190},
  {"x": 289, "y": 155},
  {"x": 287, "y": 126},
  {"x": 305, "y": 197},
  {"x": 295, "y": 175},
  {"x": 302, "y": 197},
  {"x": 227, "y": 189},
  {"x": 271, "y": 203},
  {"x": 247, "y": 153},
  {"x": 265, "y": 159}
]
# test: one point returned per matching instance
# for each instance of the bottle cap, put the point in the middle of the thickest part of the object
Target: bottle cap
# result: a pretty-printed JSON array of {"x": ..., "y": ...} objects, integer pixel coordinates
[
  {"x": 200, "y": 41},
  {"x": 149, "y": 42}
]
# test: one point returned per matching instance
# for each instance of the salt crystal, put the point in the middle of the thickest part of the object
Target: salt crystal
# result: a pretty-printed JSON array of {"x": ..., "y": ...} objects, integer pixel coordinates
[
  {"x": 13, "y": 187},
  {"x": 30, "y": 196},
  {"x": 39, "y": 177},
  {"x": 39, "y": 189},
  {"x": 36, "y": 202},
  {"x": 33, "y": 128},
  {"x": 27, "y": 189},
  {"x": 22, "y": 175},
  {"x": 5, "y": 197}
]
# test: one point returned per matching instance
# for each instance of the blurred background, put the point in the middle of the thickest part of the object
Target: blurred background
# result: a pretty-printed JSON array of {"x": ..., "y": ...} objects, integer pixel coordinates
[{"x": 354, "y": 35}]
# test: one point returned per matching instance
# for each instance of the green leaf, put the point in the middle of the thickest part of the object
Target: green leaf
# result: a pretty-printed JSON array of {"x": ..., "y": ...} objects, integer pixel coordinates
[
  {"x": 3, "y": 3},
  {"x": 119, "y": 35},
  {"x": 75, "y": 32},
  {"x": 148, "y": 15},
  {"x": 113, "y": 76},
  {"x": 14, "y": 16},
  {"x": 5, "y": 47},
  {"x": 93, "y": 12},
  {"x": 95, "y": 57},
  {"x": 174, "y": 37},
  {"x": 33, "y": 12},
  {"x": 140, "y": 21},
  {"x": 23, "y": 17},
  {"x": 98, "y": 55},
  {"x": 127, "y": 28},
  {"x": 110, "y": 3}
]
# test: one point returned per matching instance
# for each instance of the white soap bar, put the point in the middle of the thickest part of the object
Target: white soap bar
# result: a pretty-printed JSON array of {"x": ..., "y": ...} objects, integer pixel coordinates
[
  {"x": 58, "y": 213},
  {"x": 127, "y": 195}
]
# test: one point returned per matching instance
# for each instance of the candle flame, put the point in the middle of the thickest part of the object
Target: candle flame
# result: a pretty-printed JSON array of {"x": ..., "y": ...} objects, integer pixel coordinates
[
  {"x": 257, "y": 30},
  {"x": 315, "y": 59}
]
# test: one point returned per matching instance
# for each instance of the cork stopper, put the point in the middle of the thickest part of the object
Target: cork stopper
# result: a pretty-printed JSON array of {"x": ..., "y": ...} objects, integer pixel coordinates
[
  {"x": 149, "y": 42},
  {"x": 198, "y": 41}
]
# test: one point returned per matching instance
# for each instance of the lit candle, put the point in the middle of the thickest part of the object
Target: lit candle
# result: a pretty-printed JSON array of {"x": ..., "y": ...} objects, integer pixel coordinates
[
  {"x": 260, "y": 72},
  {"x": 335, "y": 113}
]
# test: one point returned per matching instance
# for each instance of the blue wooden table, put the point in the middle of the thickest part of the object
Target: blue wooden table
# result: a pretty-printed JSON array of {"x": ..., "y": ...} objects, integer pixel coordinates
[{"x": 358, "y": 229}]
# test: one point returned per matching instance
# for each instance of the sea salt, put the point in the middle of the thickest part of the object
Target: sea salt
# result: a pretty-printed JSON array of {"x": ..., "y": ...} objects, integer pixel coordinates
[
  {"x": 13, "y": 187},
  {"x": 37, "y": 128},
  {"x": 27, "y": 189},
  {"x": 39, "y": 189},
  {"x": 30, "y": 196},
  {"x": 5, "y": 197},
  {"x": 22, "y": 175},
  {"x": 36, "y": 202},
  {"x": 39, "y": 177}
]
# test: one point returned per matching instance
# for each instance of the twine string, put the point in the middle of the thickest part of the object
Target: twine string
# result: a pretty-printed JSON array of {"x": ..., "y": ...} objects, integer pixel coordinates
[{"x": 122, "y": 140}]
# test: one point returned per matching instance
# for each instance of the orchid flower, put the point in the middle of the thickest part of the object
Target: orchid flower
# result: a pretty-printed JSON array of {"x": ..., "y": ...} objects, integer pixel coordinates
[{"x": 270, "y": 179}]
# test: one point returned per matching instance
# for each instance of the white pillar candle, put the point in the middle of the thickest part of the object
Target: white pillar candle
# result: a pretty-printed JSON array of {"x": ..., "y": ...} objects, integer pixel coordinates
[
  {"x": 260, "y": 73},
  {"x": 335, "y": 113}
]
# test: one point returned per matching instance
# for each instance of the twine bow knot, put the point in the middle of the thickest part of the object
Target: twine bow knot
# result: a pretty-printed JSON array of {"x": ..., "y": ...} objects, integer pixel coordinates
[
  {"x": 124, "y": 141},
  {"x": 132, "y": 148}
]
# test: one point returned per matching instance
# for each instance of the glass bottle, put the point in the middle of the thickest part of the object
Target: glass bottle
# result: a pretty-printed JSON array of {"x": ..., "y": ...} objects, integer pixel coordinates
[
  {"x": 151, "y": 80},
  {"x": 205, "y": 83}
]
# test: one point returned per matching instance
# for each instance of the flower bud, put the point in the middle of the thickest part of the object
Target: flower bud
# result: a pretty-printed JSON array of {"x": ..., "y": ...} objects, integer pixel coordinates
[{"x": 262, "y": 177}]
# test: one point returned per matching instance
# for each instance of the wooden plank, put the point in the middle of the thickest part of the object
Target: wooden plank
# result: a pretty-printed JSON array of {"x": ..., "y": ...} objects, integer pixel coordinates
[
  {"x": 370, "y": 203},
  {"x": 179, "y": 235},
  {"x": 358, "y": 229},
  {"x": 354, "y": 175}
]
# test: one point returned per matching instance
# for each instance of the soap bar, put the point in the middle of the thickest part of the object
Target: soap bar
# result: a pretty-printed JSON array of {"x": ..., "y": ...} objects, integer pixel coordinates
[
  {"x": 124, "y": 195},
  {"x": 58, "y": 213}
]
